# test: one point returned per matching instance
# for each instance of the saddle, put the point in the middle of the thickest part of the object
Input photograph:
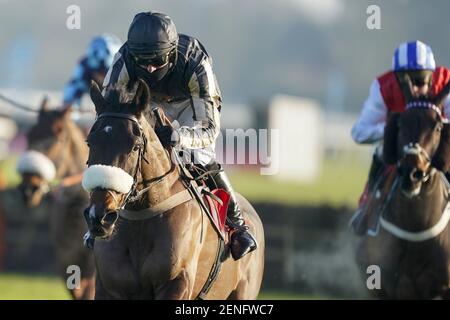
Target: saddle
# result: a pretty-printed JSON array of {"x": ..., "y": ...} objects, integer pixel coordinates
[{"x": 213, "y": 201}]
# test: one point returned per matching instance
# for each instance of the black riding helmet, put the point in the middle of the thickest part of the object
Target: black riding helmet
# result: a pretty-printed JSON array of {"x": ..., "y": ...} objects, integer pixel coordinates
[{"x": 152, "y": 39}]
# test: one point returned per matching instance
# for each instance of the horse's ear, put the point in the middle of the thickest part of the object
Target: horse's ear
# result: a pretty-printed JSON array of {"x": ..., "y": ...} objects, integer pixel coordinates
[
  {"x": 97, "y": 98},
  {"x": 44, "y": 104},
  {"x": 390, "y": 139},
  {"x": 66, "y": 112},
  {"x": 142, "y": 96},
  {"x": 441, "y": 159}
]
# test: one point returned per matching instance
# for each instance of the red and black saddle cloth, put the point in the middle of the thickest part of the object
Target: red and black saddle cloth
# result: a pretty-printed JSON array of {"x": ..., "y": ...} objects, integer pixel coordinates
[
  {"x": 217, "y": 202},
  {"x": 378, "y": 198}
]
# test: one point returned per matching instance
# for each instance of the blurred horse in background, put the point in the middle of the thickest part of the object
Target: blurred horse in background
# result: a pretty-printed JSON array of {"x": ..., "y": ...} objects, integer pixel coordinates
[
  {"x": 412, "y": 246},
  {"x": 57, "y": 150}
]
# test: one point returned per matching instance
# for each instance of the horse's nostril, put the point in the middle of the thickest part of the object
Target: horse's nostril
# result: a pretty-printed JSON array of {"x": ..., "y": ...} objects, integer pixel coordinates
[
  {"x": 110, "y": 218},
  {"x": 417, "y": 175},
  {"x": 86, "y": 212}
]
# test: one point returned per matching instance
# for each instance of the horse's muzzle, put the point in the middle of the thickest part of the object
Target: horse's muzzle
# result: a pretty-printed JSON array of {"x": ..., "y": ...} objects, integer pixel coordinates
[
  {"x": 411, "y": 182},
  {"x": 100, "y": 225},
  {"x": 32, "y": 195}
]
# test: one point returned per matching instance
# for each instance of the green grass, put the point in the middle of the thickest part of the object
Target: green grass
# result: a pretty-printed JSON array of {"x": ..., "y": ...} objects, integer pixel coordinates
[
  {"x": 15, "y": 286},
  {"x": 339, "y": 183},
  {"x": 280, "y": 295},
  {"x": 8, "y": 169},
  {"x": 31, "y": 287}
]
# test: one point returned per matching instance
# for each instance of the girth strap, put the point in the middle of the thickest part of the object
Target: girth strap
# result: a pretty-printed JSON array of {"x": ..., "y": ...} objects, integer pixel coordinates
[{"x": 166, "y": 205}]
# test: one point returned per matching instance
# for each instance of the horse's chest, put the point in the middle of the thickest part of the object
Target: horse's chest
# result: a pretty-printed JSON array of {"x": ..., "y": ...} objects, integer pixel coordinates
[{"x": 140, "y": 262}]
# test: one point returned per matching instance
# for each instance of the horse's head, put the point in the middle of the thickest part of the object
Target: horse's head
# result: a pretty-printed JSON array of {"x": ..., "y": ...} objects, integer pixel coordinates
[
  {"x": 117, "y": 146},
  {"x": 46, "y": 143},
  {"x": 418, "y": 140}
]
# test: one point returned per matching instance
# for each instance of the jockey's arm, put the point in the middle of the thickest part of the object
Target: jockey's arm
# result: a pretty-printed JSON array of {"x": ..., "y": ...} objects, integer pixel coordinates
[
  {"x": 206, "y": 102},
  {"x": 76, "y": 87},
  {"x": 370, "y": 126}
]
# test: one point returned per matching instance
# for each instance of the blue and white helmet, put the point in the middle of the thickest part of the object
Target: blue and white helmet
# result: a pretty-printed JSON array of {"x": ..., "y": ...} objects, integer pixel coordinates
[
  {"x": 413, "y": 55},
  {"x": 102, "y": 49}
]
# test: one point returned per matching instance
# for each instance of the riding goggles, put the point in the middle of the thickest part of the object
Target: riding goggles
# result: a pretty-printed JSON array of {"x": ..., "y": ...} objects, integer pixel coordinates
[{"x": 153, "y": 60}]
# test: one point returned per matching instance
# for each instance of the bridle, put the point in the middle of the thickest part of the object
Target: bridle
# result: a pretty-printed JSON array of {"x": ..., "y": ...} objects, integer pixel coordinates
[
  {"x": 415, "y": 148},
  {"x": 135, "y": 194},
  {"x": 427, "y": 105}
]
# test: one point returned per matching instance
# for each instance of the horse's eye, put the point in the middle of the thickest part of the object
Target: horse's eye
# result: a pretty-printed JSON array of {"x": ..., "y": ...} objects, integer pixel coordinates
[
  {"x": 136, "y": 130},
  {"x": 137, "y": 147}
]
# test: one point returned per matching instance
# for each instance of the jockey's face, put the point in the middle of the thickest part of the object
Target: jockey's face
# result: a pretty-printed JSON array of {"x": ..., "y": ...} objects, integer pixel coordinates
[
  {"x": 156, "y": 67},
  {"x": 420, "y": 81},
  {"x": 151, "y": 68},
  {"x": 152, "y": 64}
]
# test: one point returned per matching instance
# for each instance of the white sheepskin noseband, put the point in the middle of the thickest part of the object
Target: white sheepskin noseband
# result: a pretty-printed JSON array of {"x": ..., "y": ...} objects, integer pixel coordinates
[
  {"x": 37, "y": 163},
  {"x": 106, "y": 177}
]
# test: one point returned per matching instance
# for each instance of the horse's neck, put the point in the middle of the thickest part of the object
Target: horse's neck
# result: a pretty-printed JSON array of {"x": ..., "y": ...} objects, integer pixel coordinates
[
  {"x": 159, "y": 165},
  {"x": 76, "y": 151}
]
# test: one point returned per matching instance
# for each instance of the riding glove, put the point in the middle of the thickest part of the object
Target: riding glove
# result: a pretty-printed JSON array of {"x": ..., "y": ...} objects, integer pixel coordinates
[{"x": 168, "y": 136}]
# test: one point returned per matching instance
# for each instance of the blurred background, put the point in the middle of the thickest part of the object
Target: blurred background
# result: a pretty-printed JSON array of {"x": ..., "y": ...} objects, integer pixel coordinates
[{"x": 302, "y": 67}]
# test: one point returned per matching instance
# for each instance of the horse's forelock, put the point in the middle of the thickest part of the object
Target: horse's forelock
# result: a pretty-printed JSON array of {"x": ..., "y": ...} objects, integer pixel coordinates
[{"x": 119, "y": 94}]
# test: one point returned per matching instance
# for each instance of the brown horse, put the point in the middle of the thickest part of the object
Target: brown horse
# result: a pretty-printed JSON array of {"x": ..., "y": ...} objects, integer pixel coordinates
[
  {"x": 412, "y": 247},
  {"x": 170, "y": 255},
  {"x": 56, "y": 149}
]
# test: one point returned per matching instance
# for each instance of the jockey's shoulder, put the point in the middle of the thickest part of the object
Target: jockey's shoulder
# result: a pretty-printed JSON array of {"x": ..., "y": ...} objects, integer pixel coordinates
[
  {"x": 191, "y": 51},
  {"x": 442, "y": 72},
  {"x": 442, "y": 69},
  {"x": 386, "y": 75},
  {"x": 190, "y": 46}
]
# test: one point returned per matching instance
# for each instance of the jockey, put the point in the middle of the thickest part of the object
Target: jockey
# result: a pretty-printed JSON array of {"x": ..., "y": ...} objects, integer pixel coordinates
[
  {"x": 93, "y": 66},
  {"x": 179, "y": 73},
  {"x": 416, "y": 60}
]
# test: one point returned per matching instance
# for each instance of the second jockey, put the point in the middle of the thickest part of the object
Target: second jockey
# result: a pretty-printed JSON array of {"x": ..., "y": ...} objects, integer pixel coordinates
[
  {"x": 416, "y": 60},
  {"x": 92, "y": 66}
]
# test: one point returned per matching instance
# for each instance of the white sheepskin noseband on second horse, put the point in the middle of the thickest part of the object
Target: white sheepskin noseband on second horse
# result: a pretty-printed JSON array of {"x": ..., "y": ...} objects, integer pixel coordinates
[
  {"x": 106, "y": 177},
  {"x": 36, "y": 163}
]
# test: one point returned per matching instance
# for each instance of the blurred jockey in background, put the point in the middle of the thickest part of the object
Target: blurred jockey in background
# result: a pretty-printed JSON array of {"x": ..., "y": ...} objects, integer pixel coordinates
[{"x": 92, "y": 66}]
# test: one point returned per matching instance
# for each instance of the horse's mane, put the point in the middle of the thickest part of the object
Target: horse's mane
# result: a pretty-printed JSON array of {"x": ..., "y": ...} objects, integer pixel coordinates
[
  {"x": 119, "y": 94},
  {"x": 77, "y": 141},
  {"x": 121, "y": 97}
]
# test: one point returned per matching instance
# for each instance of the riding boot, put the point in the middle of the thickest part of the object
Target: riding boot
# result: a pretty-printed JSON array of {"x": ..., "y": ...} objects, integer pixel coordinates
[
  {"x": 358, "y": 222},
  {"x": 242, "y": 241}
]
